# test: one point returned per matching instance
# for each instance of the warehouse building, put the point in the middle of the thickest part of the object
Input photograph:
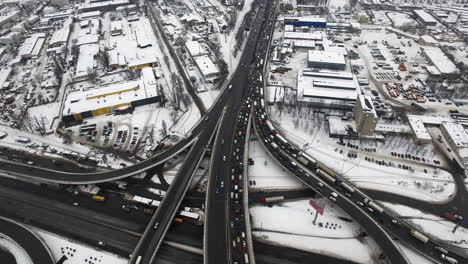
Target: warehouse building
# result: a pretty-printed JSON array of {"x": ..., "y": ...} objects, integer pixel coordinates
[
  {"x": 103, "y": 6},
  {"x": 86, "y": 60},
  {"x": 457, "y": 139},
  {"x": 194, "y": 48},
  {"x": 32, "y": 46},
  {"x": 425, "y": 18},
  {"x": 303, "y": 35},
  {"x": 140, "y": 63},
  {"x": 114, "y": 98},
  {"x": 306, "y": 21},
  {"x": 206, "y": 66},
  {"x": 326, "y": 59},
  {"x": 441, "y": 62},
  {"x": 326, "y": 88}
]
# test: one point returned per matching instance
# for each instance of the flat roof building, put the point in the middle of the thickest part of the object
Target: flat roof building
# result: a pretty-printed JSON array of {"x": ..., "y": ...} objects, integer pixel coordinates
[
  {"x": 420, "y": 132},
  {"x": 206, "y": 66},
  {"x": 457, "y": 139},
  {"x": 326, "y": 59},
  {"x": 326, "y": 89},
  {"x": 425, "y": 18},
  {"x": 437, "y": 57},
  {"x": 111, "y": 98},
  {"x": 86, "y": 60},
  {"x": 194, "y": 48},
  {"x": 303, "y": 35},
  {"x": 32, "y": 45}
]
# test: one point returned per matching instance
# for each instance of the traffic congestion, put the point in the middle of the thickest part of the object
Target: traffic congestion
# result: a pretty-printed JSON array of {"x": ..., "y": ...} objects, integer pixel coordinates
[{"x": 318, "y": 176}]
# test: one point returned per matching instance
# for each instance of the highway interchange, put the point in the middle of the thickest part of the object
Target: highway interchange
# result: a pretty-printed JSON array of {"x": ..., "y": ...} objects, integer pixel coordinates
[{"x": 225, "y": 212}]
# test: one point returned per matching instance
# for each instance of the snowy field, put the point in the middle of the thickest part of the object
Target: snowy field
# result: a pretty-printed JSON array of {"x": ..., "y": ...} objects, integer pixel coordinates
[
  {"x": 291, "y": 224},
  {"x": 75, "y": 252},
  {"x": 266, "y": 174},
  {"x": 313, "y": 138}
]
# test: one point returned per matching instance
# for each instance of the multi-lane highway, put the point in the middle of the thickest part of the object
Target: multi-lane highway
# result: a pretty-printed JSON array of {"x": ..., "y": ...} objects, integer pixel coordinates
[
  {"x": 22, "y": 201},
  {"x": 224, "y": 225},
  {"x": 224, "y": 221}
]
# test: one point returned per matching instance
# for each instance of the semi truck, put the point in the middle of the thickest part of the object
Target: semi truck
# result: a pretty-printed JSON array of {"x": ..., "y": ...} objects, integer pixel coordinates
[
  {"x": 424, "y": 239},
  {"x": 274, "y": 199}
]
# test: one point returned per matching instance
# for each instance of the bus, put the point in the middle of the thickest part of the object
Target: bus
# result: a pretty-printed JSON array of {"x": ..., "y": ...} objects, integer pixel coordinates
[{"x": 99, "y": 198}]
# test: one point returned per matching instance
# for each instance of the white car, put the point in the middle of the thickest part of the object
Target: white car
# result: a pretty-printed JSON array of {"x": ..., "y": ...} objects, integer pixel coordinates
[
  {"x": 224, "y": 158},
  {"x": 332, "y": 198}
]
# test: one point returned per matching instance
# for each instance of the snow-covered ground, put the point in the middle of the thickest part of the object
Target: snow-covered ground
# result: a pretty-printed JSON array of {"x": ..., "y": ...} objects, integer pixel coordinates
[
  {"x": 401, "y": 19},
  {"x": 266, "y": 173},
  {"x": 315, "y": 141},
  {"x": 77, "y": 252},
  {"x": 291, "y": 224}
]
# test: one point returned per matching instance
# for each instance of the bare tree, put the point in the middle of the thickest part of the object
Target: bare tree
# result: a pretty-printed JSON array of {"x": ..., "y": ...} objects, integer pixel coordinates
[
  {"x": 40, "y": 124},
  {"x": 92, "y": 75}
]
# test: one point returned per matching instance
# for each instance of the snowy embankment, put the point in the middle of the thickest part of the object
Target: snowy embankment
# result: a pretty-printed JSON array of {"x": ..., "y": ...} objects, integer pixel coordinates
[
  {"x": 76, "y": 252},
  {"x": 432, "y": 225},
  {"x": 291, "y": 224}
]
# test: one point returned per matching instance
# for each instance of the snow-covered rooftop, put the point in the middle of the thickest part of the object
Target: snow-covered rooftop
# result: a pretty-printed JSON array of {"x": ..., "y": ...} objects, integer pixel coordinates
[
  {"x": 326, "y": 57},
  {"x": 418, "y": 128},
  {"x": 426, "y": 17},
  {"x": 30, "y": 43},
  {"x": 302, "y": 35},
  {"x": 392, "y": 128},
  {"x": 327, "y": 88},
  {"x": 195, "y": 49},
  {"x": 60, "y": 36},
  {"x": 428, "y": 39},
  {"x": 4, "y": 74},
  {"x": 206, "y": 66},
  {"x": 438, "y": 58},
  {"x": 304, "y": 43},
  {"x": 86, "y": 59},
  {"x": 142, "y": 34},
  {"x": 87, "y": 15},
  {"x": 87, "y": 39},
  {"x": 457, "y": 134},
  {"x": 111, "y": 95}
]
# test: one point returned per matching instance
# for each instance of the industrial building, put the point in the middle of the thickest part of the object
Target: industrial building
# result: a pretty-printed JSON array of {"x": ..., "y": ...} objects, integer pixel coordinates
[
  {"x": 326, "y": 59},
  {"x": 440, "y": 61},
  {"x": 365, "y": 115},
  {"x": 333, "y": 89},
  {"x": 86, "y": 60},
  {"x": 206, "y": 66},
  {"x": 420, "y": 132},
  {"x": 103, "y": 6},
  {"x": 140, "y": 63},
  {"x": 426, "y": 40},
  {"x": 32, "y": 46},
  {"x": 194, "y": 48},
  {"x": 425, "y": 18},
  {"x": 303, "y": 35},
  {"x": 200, "y": 56},
  {"x": 114, "y": 98},
  {"x": 457, "y": 139},
  {"x": 306, "y": 21}
]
